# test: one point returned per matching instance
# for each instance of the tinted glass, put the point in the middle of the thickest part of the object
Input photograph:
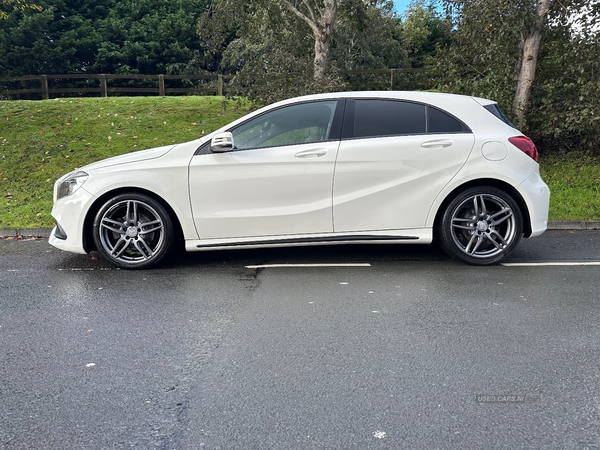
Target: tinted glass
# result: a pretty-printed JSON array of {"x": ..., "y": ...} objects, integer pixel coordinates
[
  {"x": 295, "y": 124},
  {"x": 388, "y": 118},
  {"x": 495, "y": 110},
  {"x": 441, "y": 122}
]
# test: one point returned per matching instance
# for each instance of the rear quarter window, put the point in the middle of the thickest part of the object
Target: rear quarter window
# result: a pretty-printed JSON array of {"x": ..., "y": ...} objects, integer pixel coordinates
[
  {"x": 495, "y": 110},
  {"x": 440, "y": 122}
]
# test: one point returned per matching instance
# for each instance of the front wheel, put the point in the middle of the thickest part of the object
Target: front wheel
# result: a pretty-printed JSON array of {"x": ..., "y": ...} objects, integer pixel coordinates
[
  {"x": 133, "y": 231},
  {"x": 481, "y": 226}
]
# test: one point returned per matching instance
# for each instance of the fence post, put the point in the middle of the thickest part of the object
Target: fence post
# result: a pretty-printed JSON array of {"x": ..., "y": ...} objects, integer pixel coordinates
[
  {"x": 103, "y": 86},
  {"x": 44, "y": 79},
  {"x": 220, "y": 85},
  {"x": 161, "y": 85},
  {"x": 393, "y": 79}
]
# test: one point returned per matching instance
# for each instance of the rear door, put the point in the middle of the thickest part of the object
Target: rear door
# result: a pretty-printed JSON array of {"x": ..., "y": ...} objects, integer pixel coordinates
[{"x": 394, "y": 158}]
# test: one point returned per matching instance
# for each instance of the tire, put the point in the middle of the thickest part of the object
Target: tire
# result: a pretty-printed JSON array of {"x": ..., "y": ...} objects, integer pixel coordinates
[
  {"x": 480, "y": 226},
  {"x": 133, "y": 231}
]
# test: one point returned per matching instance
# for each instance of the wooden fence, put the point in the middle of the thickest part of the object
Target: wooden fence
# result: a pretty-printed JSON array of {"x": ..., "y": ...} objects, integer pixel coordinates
[
  {"x": 390, "y": 79},
  {"x": 47, "y": 86},
  {"x": 206, "y": 84}
]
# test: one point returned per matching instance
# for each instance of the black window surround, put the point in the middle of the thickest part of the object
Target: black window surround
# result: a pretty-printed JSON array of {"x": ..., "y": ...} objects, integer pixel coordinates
[
  {"x": 343, "y": 126},
  {"x": 429, "y": 128}
]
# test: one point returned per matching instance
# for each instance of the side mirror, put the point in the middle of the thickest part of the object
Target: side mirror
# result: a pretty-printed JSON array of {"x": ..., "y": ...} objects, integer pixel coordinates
[{"x": 222, "y": 142}]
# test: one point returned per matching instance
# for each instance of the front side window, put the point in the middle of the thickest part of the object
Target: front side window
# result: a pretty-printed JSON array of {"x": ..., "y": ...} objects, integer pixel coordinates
[{"x": 296, "y": 124}]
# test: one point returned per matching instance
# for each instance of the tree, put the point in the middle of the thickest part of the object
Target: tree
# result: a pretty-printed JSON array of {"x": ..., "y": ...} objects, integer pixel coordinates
[
  {"x": 504, "y": 23},
  {"x": 106, "y": 36},
  {"x": 321, "y": 21},
  {"x": 529, "y": 45},
  {"x": 424, "y": 30},
  {"x": 275, "y": 53},
  {"x": 18, "y": 5},
  {"x": 148, "y": 36},
  {"x": 527, "y": 55}
]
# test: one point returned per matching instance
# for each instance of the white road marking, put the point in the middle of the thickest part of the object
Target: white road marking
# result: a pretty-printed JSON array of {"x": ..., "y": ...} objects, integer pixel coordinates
[
  {"x": 277, "y": 266},
  {"x": 558, "y": 263}
]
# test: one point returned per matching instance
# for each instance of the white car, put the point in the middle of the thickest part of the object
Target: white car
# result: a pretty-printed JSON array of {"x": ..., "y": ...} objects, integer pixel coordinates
[{"x": 354, "y": 167}]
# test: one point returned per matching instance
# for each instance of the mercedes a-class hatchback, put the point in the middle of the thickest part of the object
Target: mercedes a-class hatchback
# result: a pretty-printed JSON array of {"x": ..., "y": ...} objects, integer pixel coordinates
[{"x": 379, "y": 167}]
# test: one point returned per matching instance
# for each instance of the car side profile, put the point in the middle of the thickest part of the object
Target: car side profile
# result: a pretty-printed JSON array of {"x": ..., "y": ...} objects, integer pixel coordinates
[{"x": 338, "y": 168}]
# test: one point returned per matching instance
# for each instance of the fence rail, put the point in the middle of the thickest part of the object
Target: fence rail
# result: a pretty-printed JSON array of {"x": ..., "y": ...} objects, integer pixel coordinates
[
  {"x": 207, "y": 84},
  {"x": 390, "y": 79},
  {"x": 47, "y": 86}
]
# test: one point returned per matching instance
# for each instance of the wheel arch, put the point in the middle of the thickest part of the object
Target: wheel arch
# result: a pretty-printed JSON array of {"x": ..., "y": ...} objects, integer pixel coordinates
[
  {"x": 88, "y": 240},
  {"x": 499, "y": 184}
]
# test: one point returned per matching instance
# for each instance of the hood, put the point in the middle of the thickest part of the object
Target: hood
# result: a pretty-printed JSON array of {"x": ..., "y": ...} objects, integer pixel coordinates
[{"x": 142, "y": 155}]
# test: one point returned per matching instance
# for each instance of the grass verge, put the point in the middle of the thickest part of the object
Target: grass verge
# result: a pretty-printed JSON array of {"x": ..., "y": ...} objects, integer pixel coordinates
[
  {"x": 42, "y": 140},
  {"x": 574, "y": 180}
]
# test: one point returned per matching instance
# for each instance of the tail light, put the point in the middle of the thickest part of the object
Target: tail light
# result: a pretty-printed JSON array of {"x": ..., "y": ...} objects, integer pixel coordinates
[{"x": 526, "y": 145}]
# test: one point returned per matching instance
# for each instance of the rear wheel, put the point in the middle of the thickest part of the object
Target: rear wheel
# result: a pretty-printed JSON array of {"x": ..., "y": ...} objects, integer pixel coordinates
[
  {"x": 133, "y": 231},
  {"x": 481, "y": 226}
]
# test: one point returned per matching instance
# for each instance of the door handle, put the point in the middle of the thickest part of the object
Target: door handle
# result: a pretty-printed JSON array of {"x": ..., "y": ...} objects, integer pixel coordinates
[
  {"x": 311, "y": 153},
  {"x": 439, "y": 143}
]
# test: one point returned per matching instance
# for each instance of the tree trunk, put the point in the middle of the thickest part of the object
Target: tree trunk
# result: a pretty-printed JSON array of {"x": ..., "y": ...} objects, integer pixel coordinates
[
  {"x": 529, "y": 49},
  {"x": 323, "y": 39},
  {"x": 322, "y": 28}
]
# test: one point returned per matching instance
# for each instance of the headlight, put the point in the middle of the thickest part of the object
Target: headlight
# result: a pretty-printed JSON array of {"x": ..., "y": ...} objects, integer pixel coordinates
[{"x": 70, "y": 184}]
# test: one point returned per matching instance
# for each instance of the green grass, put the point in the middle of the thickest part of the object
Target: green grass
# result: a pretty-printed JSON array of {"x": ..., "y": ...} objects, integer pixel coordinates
[
  {"x": 574, "y": 180},
  {"x": 42, "y": 140}
]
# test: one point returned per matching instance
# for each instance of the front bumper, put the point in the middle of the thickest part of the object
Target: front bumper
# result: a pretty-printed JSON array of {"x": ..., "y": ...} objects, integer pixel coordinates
[{"x": 69, "y": 213}]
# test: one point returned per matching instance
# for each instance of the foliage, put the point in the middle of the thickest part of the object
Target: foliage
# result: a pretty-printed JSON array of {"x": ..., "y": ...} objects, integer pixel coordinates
[
  {"x": 100, "y": 36},
  {"x": 18, "y": 5},
  {"x": 42, "y": 140},
  {"x": 272, "y": 51},
  {"x": 424, "y": 30},
  {"x": 484, "y": 55}
]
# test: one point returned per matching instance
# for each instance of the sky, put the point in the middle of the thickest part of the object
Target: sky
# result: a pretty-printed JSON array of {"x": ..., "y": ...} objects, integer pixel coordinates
[{"x": 401, "y": 5}]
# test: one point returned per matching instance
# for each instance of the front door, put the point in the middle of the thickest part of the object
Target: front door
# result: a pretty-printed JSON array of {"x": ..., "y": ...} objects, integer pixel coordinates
[{"x": 277, "y": 180}]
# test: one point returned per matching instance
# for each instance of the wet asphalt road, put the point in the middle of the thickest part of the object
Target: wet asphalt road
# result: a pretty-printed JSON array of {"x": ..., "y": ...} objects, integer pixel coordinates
[{"x": 414, "y": 352}]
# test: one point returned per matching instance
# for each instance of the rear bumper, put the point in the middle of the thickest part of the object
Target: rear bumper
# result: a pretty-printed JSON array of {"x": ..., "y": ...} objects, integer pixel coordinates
[{"x": 536, "y": 194}]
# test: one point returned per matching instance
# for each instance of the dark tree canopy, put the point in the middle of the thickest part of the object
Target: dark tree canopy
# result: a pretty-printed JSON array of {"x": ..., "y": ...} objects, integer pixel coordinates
[{"x": 94, "y": 36}]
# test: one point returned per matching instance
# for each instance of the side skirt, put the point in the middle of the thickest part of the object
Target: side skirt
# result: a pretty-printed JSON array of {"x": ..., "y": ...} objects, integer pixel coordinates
[{"x": 416, "y": 236}]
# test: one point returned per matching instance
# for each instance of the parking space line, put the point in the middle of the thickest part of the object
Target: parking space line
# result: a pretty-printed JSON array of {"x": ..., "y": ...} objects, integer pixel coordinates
[
  {"x": 557, "y": 263},
  {"x": 277, "y": 266}
]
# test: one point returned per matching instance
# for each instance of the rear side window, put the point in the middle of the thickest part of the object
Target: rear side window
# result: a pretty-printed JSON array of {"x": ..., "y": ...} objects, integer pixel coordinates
[
  {"x": 378, "y": 118},
  {"x": 495, "y": 110},
  {"x": 388, "y": 118}
]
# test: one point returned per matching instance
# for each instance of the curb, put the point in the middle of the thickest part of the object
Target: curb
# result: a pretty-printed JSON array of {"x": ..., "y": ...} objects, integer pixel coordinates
[
  {"x": 573, "y": 225},
  {"x": 554, "y": 225},
  {"x": 26, "y": 232}
]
